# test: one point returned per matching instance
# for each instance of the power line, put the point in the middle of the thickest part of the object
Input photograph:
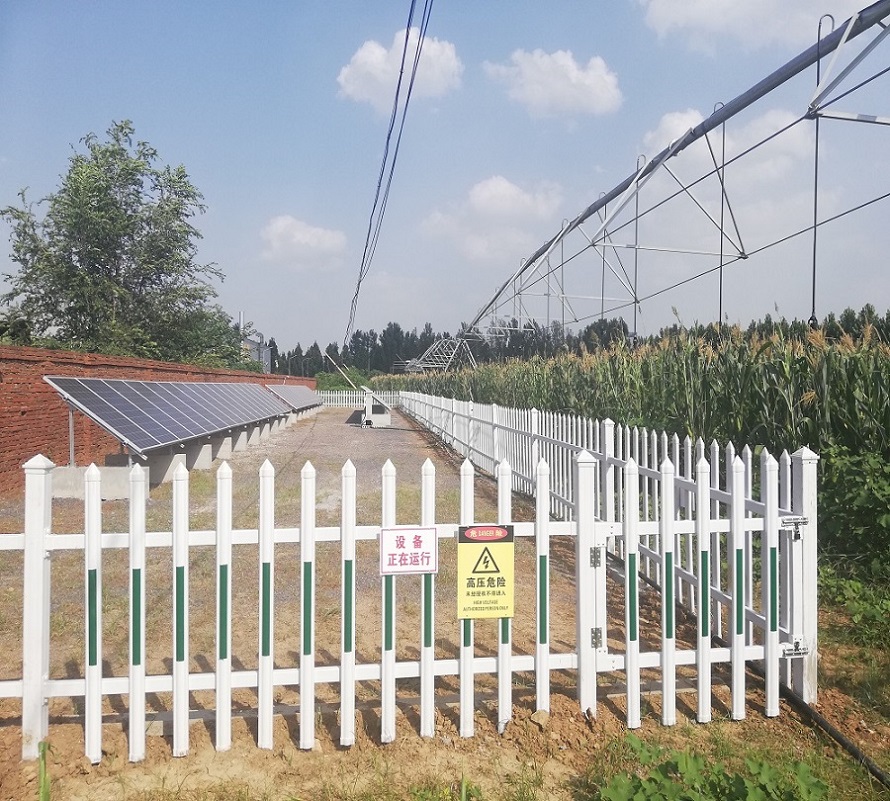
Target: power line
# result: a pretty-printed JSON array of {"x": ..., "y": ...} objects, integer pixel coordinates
[{"x": 381, "y": 195}]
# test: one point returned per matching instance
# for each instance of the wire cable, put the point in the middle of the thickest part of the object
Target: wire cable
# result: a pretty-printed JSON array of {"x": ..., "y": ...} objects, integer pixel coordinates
[{"x": 381, "y": 196}]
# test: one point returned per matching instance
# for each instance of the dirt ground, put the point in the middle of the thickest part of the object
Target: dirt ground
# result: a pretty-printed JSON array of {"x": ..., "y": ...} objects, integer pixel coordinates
[{"x": 553, "y": 748}]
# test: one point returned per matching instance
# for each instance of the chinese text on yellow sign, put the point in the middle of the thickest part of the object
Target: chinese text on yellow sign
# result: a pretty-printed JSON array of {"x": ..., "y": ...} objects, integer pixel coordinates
[{"x": 485, "y": 572}]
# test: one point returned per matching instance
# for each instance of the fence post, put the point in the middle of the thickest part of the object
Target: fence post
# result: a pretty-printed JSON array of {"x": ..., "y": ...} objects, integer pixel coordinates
[
  {"x": 307, "y": 608},
  {"x": 769, "y": 560},
  {"x": 472, "y": 431},
  {"x": 536, "y": 450},
  {"x": 631, "y": 531},
  {"x": 505, "y": 638},
  {"x": 668, "y": 597},
  {"x": 805, "y": 503},
  {"x": 136, "y": 700},
  {"x": 93, "y": 608},
  {"x": 347, "y": 572},
  {"x": 223, "y": 607},
  {"x": 180, "y": 611},
  {"x": 736, "y": 557},
  {"x": 496, "y": 433},
  {"x": 465, "y": 666},
  {"x": 607, "y": 473},
  {"x": 35, "y": 613},
  {"x": 585, "y": 585},
  {"x": 427, "y": 610},
  {"x": 542, "y": 540},
  {"x": 266, "y": 534},
  {"x": 705, "y": 609},
  {"x": 388, "y": 611}
]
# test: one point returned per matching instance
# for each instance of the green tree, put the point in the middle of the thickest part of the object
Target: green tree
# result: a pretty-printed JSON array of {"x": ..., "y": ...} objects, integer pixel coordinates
[{"x": 110, "y": 266}]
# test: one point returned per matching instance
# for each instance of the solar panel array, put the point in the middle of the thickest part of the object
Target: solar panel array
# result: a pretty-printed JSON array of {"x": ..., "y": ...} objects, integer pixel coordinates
[
  {"x": 145, "y": 415},
  {"x": 296, "y": 396}
]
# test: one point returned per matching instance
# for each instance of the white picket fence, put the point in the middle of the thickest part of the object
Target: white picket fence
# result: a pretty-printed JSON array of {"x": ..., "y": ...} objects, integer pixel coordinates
[
  {"x": 720, "y": 541},
  {"x": 355, "y": 398},
  {"x": 670, "y": 525}
]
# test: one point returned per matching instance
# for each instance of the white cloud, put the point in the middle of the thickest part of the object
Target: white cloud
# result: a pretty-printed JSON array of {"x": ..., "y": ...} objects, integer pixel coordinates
[
  {"x": 300, "y": 245},
  {"x": 670, "y": 127},
  {"x": 372, "y": 72},
  {"x": 754, "y": 23},
  {"x": 550, "y": 84},
  {"x": 497, "y": 220},
  {"x": 768, "y": 163}
]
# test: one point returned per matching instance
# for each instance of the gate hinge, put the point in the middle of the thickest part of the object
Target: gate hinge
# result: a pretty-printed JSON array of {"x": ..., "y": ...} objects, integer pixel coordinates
[
  {"x": 596, "y": 638},
  {"x": 595, "y": 557},
  {"x": 793, "y": 525},
  {"x": 794, "y": 648}
]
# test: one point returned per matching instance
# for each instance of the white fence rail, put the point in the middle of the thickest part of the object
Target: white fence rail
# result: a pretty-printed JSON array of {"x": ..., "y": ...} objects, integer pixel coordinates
[
  {"x": 735, "y": 566},
  {"x": 355, "y": 398}
]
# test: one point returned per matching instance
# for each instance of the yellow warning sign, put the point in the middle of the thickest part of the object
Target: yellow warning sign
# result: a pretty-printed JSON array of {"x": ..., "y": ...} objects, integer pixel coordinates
[{"x": 485, "y": 572}]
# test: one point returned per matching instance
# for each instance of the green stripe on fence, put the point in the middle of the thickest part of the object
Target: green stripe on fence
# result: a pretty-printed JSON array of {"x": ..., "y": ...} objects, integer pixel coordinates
[
  {"x": 180, "y": 613},
  {"x": 307, "y": 608},
  {"x": 543, "y": 617},
  {"x": 136, "y": 617},
  {"x": 704, "y": 605},
  {"x": 773, "y": 589},
  {"x": 468, "y": 638},
  {"x": 739, "y": 592},
  {"x": 348, "y": 607},
  {"x": 669, "y": 594},
  {"x": 505, "y": 630},
  {"x": 223, "y": 644},
  {"x": 93, "y": 615},
  {"x": 388, "y": 613},
  {"x": 634, "y": 600},
  {"x": 266, "y": 639},
  {"x": 428, "y": 602}
]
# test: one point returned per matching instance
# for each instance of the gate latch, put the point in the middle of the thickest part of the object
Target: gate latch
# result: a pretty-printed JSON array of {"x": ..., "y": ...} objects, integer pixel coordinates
[
  {"x": 794, "y": 648},
  {"x": 793, "y": 524}
]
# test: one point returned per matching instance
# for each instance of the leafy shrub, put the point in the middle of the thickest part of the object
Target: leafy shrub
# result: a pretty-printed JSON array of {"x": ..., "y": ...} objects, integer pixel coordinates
[
  {"x": 854, "y": 502},
  {"x": 688, "y": 777},
  {"x": 863, "y": 591}
]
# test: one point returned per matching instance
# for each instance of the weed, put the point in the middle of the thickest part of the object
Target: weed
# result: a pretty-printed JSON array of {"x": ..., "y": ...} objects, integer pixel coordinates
[{"x": 689, "y": 776}]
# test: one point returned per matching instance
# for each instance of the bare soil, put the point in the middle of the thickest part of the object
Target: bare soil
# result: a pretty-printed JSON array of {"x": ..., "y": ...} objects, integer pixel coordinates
[{"x": 553, "y": 750}]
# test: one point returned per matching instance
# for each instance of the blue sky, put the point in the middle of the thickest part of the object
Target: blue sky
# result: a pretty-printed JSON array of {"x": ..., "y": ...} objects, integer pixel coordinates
[{"x": 523, "y": 113}]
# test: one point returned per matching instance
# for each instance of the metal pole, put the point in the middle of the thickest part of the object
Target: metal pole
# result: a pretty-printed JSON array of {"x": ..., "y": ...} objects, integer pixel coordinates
[
  {"x": 813, "y": 319},
  {"x": 603, "y": 284},
  {"x": 637, "y": 246},
  {"x": 722, "y": 208}
]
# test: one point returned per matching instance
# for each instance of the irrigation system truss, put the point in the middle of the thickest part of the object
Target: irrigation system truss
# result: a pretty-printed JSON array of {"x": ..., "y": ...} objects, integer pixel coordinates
[{"x": 683, "y": 198}]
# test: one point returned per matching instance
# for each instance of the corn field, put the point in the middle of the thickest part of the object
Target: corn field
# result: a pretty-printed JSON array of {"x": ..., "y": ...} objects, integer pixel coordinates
[{"x": 775, "y": 391}]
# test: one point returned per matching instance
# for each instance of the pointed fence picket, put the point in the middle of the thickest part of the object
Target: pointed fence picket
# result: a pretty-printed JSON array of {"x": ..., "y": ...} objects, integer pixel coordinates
[{"x": 664, "y": 528}]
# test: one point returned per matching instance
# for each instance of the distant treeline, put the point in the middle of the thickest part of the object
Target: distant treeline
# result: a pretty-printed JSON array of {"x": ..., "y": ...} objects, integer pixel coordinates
[{"x": 372, "y": 353}]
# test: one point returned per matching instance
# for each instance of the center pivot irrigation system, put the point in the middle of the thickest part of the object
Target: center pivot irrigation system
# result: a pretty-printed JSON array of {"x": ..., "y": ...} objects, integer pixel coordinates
[{"x": 688, "y": 203}]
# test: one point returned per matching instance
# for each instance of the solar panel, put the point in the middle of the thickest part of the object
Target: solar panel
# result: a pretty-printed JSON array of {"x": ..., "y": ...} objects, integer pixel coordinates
[
  {"x": 296, "y": 396},
  {"x": 145, "y": 415}
]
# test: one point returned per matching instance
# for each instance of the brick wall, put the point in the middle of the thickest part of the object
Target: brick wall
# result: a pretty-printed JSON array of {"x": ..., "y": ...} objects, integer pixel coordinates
[{"x": 34, "y": 419}]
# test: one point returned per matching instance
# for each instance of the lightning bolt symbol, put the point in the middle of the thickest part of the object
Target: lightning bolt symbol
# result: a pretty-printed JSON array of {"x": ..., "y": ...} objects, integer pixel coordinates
[{"x": 485, "y": 561}]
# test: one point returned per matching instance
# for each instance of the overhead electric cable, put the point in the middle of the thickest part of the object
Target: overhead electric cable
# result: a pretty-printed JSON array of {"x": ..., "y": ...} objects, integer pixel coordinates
[{"x": 381, "y": 196}]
